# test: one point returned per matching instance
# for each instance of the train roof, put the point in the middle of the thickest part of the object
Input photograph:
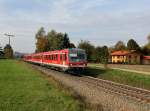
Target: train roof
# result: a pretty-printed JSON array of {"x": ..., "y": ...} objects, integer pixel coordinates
[{"x": 54, "y": 51}]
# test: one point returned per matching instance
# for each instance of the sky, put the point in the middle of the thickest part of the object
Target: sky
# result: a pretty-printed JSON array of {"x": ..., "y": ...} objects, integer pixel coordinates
[{"x": 102, "y": 22}]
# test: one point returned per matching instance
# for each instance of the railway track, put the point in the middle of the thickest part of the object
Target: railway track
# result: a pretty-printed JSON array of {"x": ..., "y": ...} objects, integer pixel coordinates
[{"x": 138, "y": 94}]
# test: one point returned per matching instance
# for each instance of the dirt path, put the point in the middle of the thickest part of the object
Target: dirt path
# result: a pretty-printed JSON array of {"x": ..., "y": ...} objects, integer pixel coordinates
[
  {"x": 141, "y": 69},
  {"x": 104, "y": 101}
]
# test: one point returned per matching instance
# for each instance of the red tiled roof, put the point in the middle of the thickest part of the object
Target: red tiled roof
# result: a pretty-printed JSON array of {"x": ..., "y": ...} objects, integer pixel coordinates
[
  {"x": 147, "y": 57},
  {"x": 120, "y": 52}
]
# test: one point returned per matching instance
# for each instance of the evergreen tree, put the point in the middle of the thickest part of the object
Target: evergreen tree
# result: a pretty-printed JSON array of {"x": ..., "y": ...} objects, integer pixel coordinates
[
  {"x": 65, "y": 41},
  {"x": 132, "y": 45},
  {"x": 8, "y": 51}
]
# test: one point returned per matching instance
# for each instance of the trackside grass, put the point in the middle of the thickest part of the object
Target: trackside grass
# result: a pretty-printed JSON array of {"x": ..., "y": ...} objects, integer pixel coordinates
[
  {"x": 23, "y": 89},
  {"x": 124, "y": 77}
]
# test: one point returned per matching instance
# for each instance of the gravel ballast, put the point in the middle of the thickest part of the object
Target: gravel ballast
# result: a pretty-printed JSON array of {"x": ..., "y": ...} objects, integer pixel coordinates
[{"x": 102, "y": 100}]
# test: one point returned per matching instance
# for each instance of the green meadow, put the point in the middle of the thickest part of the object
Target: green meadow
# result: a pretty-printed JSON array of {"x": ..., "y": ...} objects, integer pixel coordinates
[
  {"x": 124, "y": 77},
  {"x": 25, "y": 89}
]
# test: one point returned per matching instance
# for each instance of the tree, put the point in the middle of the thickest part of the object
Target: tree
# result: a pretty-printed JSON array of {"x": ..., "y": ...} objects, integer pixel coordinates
[
  {"x": 51, "y": 41},
  {"x": 42, "y": 41},
  {"x": 98, "y": 53},
  {"x": 41, "y": 44},
  {"x": 120, "y": 45},
  {"x": 56, "y": 40},
  {"x": 89, "y": 48},
  {"x": 132, "y": 45},
  {"x": 148, "y": 38},
  {"x": 104, "y": 56},
  {"x": 65, "y": 41},
  {"x": 146, "y": 48},
  {"x": 1, "y": 52},
  {"x": 72, "y": 45},
  {"x": 40, "y": 33},
  {"x": 8, "y": 51}
]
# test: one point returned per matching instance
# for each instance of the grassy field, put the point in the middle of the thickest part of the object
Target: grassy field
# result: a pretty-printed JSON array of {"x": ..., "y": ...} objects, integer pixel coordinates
[
  {"x": 129, "y": 78},
  {"x": 24, "y": 89}
]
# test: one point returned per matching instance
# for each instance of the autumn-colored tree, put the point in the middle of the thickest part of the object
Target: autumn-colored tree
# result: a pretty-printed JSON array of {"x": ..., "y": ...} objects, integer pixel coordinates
[
  {"x": 41, "y": 44},
  {"x": 42, "y": 41},
  {"x": 8, "y": 51},
  {"x": 51, "y": 41}
]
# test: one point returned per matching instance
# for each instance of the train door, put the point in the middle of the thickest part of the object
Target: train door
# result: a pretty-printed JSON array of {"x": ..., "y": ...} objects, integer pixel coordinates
[{"x": 63, "y": 59}]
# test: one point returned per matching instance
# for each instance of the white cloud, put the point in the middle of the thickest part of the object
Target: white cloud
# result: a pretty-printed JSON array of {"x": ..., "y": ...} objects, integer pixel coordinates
[{"x": 99, "y": 21}]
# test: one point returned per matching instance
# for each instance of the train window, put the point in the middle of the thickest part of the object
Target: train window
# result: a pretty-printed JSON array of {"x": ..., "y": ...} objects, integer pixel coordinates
[
  {"x": 56, "y": 56},
  {"x": 60, "y": 56},
  {"x": 47, "y": 57},
  {"x": 50, "y": 57}
]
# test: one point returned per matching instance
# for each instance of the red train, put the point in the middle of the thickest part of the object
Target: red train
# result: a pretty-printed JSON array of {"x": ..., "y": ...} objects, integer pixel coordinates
[{"x": 72, "y": 58}]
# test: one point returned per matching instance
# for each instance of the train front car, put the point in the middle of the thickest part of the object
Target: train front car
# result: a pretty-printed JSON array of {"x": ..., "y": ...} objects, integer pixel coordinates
[{"x": 77, "y": 59}]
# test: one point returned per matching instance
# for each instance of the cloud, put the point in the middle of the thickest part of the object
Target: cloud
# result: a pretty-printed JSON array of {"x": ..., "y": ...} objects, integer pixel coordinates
[{"x": 99, "y": 21}]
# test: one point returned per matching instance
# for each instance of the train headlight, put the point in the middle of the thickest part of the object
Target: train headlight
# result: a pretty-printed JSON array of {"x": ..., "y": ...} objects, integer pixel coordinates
[{"x": 70, "y": 64}]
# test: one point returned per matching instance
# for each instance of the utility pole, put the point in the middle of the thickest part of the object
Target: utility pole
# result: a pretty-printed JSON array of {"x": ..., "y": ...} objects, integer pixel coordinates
[{"x": 9, "y": 36}]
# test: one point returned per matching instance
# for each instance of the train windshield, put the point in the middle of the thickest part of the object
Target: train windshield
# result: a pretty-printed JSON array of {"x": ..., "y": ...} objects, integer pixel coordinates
[{"x": 77, "y": 55}]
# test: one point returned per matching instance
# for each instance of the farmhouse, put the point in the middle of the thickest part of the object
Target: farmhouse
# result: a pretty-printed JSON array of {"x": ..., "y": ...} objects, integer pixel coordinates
[{"x": 126, "y": 57}]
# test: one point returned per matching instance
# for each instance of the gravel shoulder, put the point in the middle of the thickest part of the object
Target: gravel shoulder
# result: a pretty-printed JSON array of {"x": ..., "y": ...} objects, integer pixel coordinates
[{"x": 103, "y": 100}]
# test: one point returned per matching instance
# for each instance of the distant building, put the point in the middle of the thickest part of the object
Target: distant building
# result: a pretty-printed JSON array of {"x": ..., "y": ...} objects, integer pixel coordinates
[
  {"x": 126, "y": 57},
  {"x": 146, "y": 60}
]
